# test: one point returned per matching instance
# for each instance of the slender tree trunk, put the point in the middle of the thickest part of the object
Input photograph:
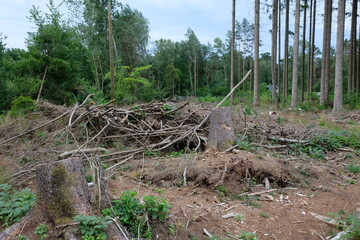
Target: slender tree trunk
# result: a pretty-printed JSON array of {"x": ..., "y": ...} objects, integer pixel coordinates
[
  {"x": 338, "y": 94},
  {"x": 286, "y": 53},
  {"x": 303, "y": 53},
  {"x": 274, "y": 51},
  {"x": 232, "y": 51},
  {"x": 111, "y": 53},
  {"x": 279, "y": 51},
  {"x": 325, "y": 65},
  {"x": 294, "y": 90},
  {"x": 96, "y": 73},
  {"x": 195, "y": 75},
  {"x": 312, "y": 47},
  {"x": 352, "y": 57},
  {"x": 256, "y": 53},
  {"x": 357, "y": 84},
  {"x": 42, "y": 85}
]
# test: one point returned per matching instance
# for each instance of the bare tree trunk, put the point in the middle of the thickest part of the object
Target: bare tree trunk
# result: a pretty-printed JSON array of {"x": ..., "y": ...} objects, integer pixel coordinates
[
  {"x": 294, "y": 90},
  {"x": 312, "y": 47},
  {"x": 96, "y": 73},
  {"x": 279, "y": 51},
  {"x": 338, "y": 94},
  {"x": 302, "y": 87},
  {"x": 325, "y": 66},
  {"x": 232, "y": 51},
  {"x": 274, "y": 51},
  {"x": 42, "y": 85},
  {"x": 195, "y": 74},
  {"x": 352, "y": 57},
  {"x": 256, "y": 53},
  {"x": 111, "y": 53},
  {"x": 286, "y": 53}
]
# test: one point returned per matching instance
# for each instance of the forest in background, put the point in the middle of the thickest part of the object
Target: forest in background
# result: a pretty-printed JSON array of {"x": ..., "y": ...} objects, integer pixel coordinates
[{"x": 68, "y": 58}]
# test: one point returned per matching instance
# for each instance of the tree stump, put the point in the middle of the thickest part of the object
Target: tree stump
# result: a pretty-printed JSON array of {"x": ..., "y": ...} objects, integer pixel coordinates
[{"x": 221, "y": 131}]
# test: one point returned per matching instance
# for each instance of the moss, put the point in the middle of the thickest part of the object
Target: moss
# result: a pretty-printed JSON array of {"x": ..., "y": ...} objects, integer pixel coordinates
[{"x": 60, "y": 204}]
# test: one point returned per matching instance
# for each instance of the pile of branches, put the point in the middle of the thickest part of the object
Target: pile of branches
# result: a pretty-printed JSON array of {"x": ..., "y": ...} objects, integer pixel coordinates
[{"x": 149, "y": 128}]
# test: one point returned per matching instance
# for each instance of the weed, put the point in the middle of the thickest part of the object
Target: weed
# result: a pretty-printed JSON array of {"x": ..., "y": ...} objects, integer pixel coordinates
[
  {"x": 353, "y": 168},
  {"x": 89, "y": 178},
  {"x": 41, "y": 231},
  {"x": 248, "y": 236},
  {"x": 135, "y": 214},
  {"x": 349, "y": 222},
  {"x": 243, "y": 143},
  {"x": 264, "y": 215},
  {"x": 177, "y": 154},
  {"x": 172, "y": 229},
  {"x": 239, "y": 217},
  {"x": 21, "y": 237},
  {"x": 14, "y": 204},
  {"x": 351, "y": 181},
  {"x": 250, "y": 201},
  {"x": 92, "y": 227},
  {"x": 159, "y": 191}
]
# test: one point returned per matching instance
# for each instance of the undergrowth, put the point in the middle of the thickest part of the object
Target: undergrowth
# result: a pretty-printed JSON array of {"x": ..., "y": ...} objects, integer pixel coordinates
[
  {"x": 92, "y": 227},
  {"x": 139, "y": 215},
  {"x": 14, "y": 204},
  {"x": 347, "y": 222}
]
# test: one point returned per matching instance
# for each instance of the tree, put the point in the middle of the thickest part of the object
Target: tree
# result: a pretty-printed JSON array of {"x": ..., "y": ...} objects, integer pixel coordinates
[
  {"x": 111, "y": 53},
  {"x": 274, "y": 51},
  {"x": 194, "y": 55},
  {"x": 286, "y": 53},
  {"x": 325, "y": 64},
  {"x": 256, "y": 53},
  {"x": 232, "y": 51},
  {"x": 312, "y": 47},
  {"x": 303, "y": 52},
  {"x": 353, "y": 59},
  {"x": 338, "y": 94},
  {"x": 294, "y": 89}
]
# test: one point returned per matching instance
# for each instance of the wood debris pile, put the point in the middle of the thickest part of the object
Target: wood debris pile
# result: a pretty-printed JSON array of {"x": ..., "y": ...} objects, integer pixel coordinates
[{"x": 149, "y": 128}]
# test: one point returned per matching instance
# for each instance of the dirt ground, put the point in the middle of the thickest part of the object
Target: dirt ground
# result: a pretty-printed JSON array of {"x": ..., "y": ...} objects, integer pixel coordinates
[{"x": 217, "y": 196}]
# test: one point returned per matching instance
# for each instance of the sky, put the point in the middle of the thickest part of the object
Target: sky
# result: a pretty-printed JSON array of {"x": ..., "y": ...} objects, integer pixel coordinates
[{"x": 168, "y": 19}]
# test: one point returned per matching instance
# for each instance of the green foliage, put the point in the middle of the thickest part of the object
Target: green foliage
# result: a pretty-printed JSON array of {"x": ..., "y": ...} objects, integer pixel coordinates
[
  {"x": 264, "y": 215},
  {"x": 21, "y": 237},
  {"x": 353, "y": 168},
  {"x": 22, "y": 105},
  {"x": 134, "y": 213},
  {"x": 349, "y": 222},
  {"x": 14, "y": 204},
  {"x": 243, "y": 143},
  {"x": 248, "y": 236},
  {"x": 41, "y": 230},
  {"x": 92, "y": 227}
]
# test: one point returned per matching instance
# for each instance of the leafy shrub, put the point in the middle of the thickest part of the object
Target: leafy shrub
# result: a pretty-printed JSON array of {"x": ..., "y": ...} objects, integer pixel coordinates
[
  {"x": 41, "y": 230},
  {"x": 22, "y": 105},
  {"x": 353, "y": 168},
  {"x": 134, "y": 213},
  {"x": 14, "y": 204},
  {"x": 248, "y": 236},
  {"x": 92, "y": 227}
]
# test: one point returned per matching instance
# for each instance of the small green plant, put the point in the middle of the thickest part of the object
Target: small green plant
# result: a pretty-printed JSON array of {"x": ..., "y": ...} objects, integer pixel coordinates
[
  {"x": 264, "y": 215},
  {"x": 239, "y": 217},
  {"x": 222, "y": 191},
  {"x": 41, "y": 231},
  {"x": 92, "y": 227},
  {"x": 353, "y": 168},
  {"x": 349, "y": 222},
  {"x": 172, "y": 229},
  {"x": 14, "y": 204},
  {"x": 159, "y": 191},
  {"x": 248, "y": 236},
  {"x": 21, "y": 237},
  {"x": 243, "y": 143},
  {"x": 137, "y": 215},
  {"x": 167, "y": 108},
  {"x": 250, "y": 201}
]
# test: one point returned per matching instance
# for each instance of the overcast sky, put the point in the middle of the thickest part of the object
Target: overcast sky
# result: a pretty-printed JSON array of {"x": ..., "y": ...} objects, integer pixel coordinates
[{"x": 168, "y": 19}]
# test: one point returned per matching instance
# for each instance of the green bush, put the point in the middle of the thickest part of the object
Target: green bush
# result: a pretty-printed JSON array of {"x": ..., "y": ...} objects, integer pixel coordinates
[
  {"x": 14, "y": 204},
  {"x": 22, "y": 105},
  {"x": 137, "y": 215},
  {"x": 41, "y": 230},
  {"x": 92, "y": 227}
]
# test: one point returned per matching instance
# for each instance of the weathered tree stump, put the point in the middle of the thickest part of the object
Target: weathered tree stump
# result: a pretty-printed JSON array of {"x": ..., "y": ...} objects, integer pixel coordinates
[
  {"x": 221, "y": 131},
  {"x": 62, "y": 194}
]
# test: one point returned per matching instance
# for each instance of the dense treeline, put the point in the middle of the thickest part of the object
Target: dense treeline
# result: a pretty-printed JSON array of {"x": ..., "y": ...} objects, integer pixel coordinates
[{"x": 66, "y": 59}]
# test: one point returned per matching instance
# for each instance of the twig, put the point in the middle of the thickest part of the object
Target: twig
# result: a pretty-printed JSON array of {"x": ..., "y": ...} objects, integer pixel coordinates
[
  {"x": 207, "y": 233},
  {"x": 85, "y": 150},
  {"x": 258, "y": 193},
  {"x": 184, "y": 176}
]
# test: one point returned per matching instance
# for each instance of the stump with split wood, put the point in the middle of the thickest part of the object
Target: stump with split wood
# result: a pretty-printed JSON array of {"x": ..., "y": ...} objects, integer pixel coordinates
[
  {"x": 221, "y": 131},
  {"x": 62, "y": 194}
]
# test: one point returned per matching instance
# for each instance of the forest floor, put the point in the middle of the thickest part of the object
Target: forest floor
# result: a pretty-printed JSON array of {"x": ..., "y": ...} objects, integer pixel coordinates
[{"x": 223, "y": 195}]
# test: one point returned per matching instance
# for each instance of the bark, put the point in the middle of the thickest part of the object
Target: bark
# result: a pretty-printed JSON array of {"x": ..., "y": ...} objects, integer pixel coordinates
[
  {"x": 294, "y": 90},
  {"x": 256, "y": 53},
  {"x": 279, "y": 50},
  {"x": 232, "y": 51},
  {"x": 221, "y": 131},
  {"x": 325, "y": 65},
  {"x": 338, "y": 94},
  {"x": 312, "y": 47},
  {"x": 274, "y": 51},
  {"x": 303, "y": 53},
  {"x": 352, "y": 57},
  {"x": 286, "y": 54},
  {"x": 42, "y": 85},
  {"x": 111, "y": 53}
]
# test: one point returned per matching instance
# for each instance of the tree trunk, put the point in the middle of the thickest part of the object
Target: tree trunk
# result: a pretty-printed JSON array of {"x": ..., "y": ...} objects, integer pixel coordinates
[
  {"x": 279, "y": 51},
  {"x": 42, "y": 85},
  {"x": 274, "y": 52},
  {"x": 294, "y": 90},
  {"x": 352, "y": 57},
  {"x": 256, "y": 53},
  {"x": 111, "y": 53},
  {"x": 303, "y": 53},
  {"x": 312, "y": 47},
  {"x": 338, "y": 94},
  {"x": 232, "y": 51},
  {"x": 221, "y": 131},
  {"x": 325, "y": 65},
  {"x": 286, "y": 53}
]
